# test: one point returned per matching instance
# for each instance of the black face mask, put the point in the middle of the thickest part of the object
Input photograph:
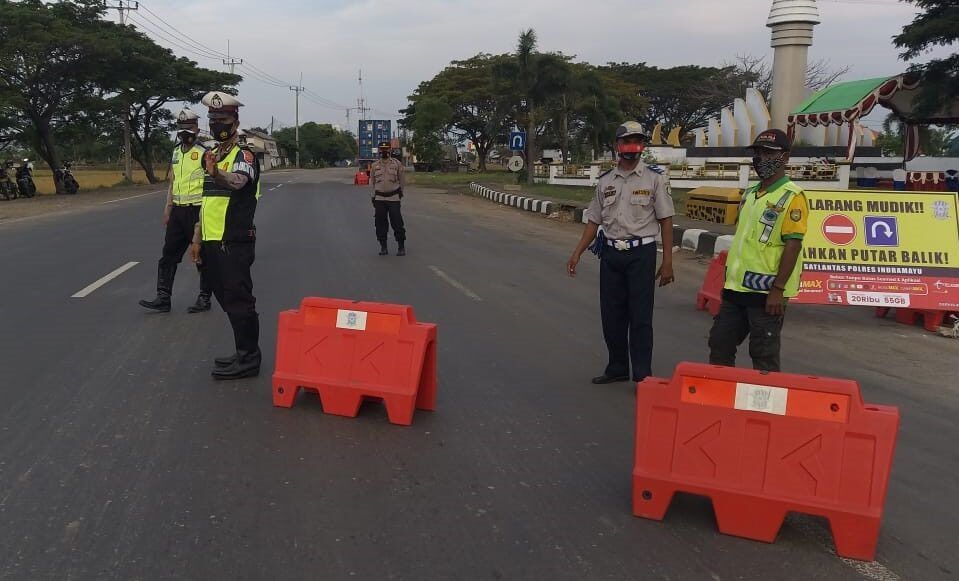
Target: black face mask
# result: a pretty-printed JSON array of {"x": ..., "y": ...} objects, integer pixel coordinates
[
  {"x": 221, "y": 131},
  {"x": 384, "y": 154},
  {"x": 187, "y": 137}
]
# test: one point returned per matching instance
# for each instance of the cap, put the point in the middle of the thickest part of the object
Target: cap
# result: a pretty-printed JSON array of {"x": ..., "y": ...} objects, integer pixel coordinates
[
  {"x": 187, "y": 119},
  {"x": 774, "y": 139},
  {"x": 630, "y": 128},
  {"x": 220, "y": 102},
  {"x": 384, "y": 145}
]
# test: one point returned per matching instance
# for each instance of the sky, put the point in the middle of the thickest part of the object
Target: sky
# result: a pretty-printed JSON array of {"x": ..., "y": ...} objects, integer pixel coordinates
[{"x": 397, "y": 45}]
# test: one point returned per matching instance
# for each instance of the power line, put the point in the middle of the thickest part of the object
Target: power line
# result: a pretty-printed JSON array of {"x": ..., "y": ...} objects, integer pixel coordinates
[
  {"x": 186, "y": 38},
  {"x": 167, "y": 38}
]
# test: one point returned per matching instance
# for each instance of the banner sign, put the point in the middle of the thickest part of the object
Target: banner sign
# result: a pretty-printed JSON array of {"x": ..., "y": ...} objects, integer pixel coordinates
[{"x": 882, "y": 249}]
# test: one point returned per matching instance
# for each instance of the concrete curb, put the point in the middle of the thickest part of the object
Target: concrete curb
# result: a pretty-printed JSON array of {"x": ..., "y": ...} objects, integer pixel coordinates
[{"x": 695, "y": 240}]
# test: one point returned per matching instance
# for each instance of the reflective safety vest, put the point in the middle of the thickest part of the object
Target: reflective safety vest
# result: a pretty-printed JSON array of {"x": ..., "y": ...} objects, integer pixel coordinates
[
  {"x": 753, "y": 261},
  {"x": 188, "y": 176},
  {"x": 227, "y": 215}
]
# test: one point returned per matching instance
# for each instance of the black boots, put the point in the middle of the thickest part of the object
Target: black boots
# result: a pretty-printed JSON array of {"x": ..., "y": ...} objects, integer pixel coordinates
[
  {"x": 202, "y": 303},
  {"x": 383, "y": 249},
  {"x": 402, "y": 250},
  {"x": 246, "y": 361},
  {"x": 161, "y": 303}
]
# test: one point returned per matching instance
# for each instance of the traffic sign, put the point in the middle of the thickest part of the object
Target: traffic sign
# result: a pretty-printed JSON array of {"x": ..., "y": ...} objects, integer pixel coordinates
[
  {"x": 882, "y": 231},
  {"x": 515, "y": 163},
  {"x": 839, "y": 229},
  {"x": 517, "y": 140}
]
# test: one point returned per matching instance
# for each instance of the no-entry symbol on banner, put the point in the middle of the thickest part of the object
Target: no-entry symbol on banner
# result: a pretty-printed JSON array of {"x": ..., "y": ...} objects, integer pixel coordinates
[{"x": 839, "y": 229}]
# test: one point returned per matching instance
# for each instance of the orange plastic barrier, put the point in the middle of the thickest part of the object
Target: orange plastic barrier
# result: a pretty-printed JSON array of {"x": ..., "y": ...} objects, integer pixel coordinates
[
  {"x": 931, "y": 320},
  {"x": 761, "y": 445},
  {"x": 348, "y": 350},
  {"x": 361, "y": 178},
  {"x": 710, "y": 296}
]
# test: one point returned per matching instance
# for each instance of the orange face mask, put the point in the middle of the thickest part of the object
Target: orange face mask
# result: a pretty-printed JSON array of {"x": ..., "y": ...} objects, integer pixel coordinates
[{"x": 630, "y": 150}]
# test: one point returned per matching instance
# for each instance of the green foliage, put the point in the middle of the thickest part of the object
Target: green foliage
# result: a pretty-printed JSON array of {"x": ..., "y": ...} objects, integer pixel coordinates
[
  {"x": 936, "y": 25},
  {"x": 429, "y": 125},
  {"x": 933, "y": 141},
  {"x": 320, "y": 144},
  {"x": 68, "y": 77}
]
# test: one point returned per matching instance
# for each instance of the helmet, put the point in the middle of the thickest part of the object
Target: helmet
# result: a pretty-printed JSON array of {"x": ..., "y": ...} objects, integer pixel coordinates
[{"x": 630, "y": 128}]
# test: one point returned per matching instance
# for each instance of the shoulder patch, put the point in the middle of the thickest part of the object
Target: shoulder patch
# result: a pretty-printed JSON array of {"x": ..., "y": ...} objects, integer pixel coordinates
[
  {"x": 248, "y": 156},
  {"x": 657, "y": 169}
]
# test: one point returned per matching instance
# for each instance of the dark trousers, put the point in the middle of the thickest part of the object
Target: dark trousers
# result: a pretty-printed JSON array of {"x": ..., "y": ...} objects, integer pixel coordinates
[
  {"x": 179, "y": 235},
  {"x": 734, "y": 322},
  {"x": 626, "y": 292},
  {"x": 388, "y": 214},
  {"x": 228, "y": 266}
]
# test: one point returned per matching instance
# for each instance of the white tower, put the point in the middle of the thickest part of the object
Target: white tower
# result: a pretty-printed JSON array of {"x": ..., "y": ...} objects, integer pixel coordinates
[{"x": 791, "y": 22}]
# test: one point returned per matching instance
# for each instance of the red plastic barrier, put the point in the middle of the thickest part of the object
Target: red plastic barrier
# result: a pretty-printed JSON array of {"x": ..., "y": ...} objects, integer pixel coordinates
[
  {"x": 361, "y": 178},
  {"x": 762, "y": 445},
  {"x": 931, "y": 320},
  {"x": 710, "y": 296},
  {"x": 349, "y": 350}
]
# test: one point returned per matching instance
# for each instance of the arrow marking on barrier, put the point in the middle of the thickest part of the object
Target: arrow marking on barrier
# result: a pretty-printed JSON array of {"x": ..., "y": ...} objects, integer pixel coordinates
[
  {"x": 704, "y": 438},
  {"x": 806, "y": 461},
  {"x": 367, "y": 358}
]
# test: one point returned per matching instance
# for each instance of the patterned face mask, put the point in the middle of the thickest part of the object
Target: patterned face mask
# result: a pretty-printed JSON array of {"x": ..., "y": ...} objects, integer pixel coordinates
[{"x": 768, "y": 167}]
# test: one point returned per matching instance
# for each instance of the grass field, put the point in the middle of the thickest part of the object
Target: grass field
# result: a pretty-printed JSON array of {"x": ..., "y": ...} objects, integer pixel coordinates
[
  {"x": 459, "y": 183},
  {"x": 89, "y": 179}
]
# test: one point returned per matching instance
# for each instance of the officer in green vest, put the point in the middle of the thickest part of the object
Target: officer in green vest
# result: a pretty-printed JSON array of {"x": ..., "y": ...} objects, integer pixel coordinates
[
  {"x": 181, "y": 214},
  {"x": 225, "y": 236},
  {"x": 764, "y": 264}
]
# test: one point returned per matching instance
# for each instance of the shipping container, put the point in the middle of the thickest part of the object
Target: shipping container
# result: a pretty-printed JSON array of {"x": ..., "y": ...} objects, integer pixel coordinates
[{"x": 371, "y": 133}]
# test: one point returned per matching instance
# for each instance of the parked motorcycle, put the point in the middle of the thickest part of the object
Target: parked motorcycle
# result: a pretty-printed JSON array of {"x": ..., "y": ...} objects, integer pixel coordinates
[
  {"x": 8, "y": 187},
  {"x": 25, "y": 180},
  {"x": 64, "y": 180}
]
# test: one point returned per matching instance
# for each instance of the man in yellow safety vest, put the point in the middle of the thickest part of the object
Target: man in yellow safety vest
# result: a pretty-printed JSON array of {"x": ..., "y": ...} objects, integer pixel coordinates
[
  {"x": 181, "y": 213},
  {"x": 764, "y": 263}
]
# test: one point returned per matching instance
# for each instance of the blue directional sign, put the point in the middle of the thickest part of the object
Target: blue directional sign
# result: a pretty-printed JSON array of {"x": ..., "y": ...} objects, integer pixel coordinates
[
  {"x": 882, "y": 231},
  {"x": 517, "y": 140}
]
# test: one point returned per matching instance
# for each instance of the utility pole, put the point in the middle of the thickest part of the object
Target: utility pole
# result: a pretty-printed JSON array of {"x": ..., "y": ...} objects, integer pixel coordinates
[
  {"x": 298, "y": 89},
  {"x": 123, "y": 7},
  {"x": 127, "y": 147},
  {"x": 271, "y": 124},
  {"x": 230, "y": 61}
]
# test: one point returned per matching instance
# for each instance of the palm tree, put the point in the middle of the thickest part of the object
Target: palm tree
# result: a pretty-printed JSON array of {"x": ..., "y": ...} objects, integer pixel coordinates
[{"x": 525, "y": 58}]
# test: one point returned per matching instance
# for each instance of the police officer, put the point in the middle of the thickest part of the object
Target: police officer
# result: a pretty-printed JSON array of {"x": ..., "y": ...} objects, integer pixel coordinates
[
  {"x": 225, "y": 236},
  {"x": 764, "y": 263},
  {"x": 181, "y": 213},
  {"x": 387, "y": 177},
  {"x": 633, "y": 204}
]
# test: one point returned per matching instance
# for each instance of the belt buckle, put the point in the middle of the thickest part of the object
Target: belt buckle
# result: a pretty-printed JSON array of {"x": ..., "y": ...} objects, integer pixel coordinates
[{"x": 621, "y": 244}]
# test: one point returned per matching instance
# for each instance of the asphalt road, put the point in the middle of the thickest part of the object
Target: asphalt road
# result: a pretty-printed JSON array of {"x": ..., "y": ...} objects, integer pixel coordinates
[{"x": 120, "y": 458}]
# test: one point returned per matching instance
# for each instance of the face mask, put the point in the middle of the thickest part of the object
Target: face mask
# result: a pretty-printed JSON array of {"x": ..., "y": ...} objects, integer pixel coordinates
[
  {"x": 186, "y": 137},
  {"x": 384, "y": 154},
  {"x": 221, "y": 131},
  {"x": 631, "y": 151},
  {"x": 768, "y": 167}
]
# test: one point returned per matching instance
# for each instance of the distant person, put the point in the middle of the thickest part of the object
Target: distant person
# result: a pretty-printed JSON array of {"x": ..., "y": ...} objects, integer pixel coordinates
[
  {"x": 181, "y": 213},
  {"x": 387, "y": 178},
  {"x": 764, "y": 264},
  {"x": 633, "y": 204}
]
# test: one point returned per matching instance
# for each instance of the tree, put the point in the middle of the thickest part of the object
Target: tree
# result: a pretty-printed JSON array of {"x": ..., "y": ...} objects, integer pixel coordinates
[
  {"x": 685, "y": 96},
  {"x": 936, "y": 25},
  {"x": 320, "y": 144},
  {"x": 429, "y": 127},
  {"x": 470, "y": 90},
  {"x": 55, "y": 61},
  {"x": 756, "y": 72}
]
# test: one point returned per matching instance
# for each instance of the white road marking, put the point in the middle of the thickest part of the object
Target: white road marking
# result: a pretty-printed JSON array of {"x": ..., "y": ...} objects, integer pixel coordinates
[
  {"x": 94, "y": 286},
  {"x": 132, "y": 197},
  {"x": 455, "y": 284},
  {"x": 276, "y": 186}
]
